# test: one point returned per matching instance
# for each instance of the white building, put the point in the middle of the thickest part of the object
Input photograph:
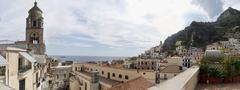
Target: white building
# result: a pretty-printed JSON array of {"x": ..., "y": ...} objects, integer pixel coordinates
[{"x": 22, "y": 70}]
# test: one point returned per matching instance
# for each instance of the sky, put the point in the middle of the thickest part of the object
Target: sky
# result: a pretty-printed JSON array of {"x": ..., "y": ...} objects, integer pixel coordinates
[{"x": 107, "y": 27}]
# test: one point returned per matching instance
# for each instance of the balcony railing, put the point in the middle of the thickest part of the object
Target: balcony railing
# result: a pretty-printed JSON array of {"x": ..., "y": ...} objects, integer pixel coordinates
[
  {"x": 2, "y": 71},
  {"x": 2, "y": 79},
  {"x": 24, "y": 68}
]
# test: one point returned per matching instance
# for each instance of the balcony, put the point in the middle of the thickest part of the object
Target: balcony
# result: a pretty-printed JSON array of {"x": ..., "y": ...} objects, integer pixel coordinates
[
  {"x": 2, "y": 79},
  {"x": 22, "y": 70},
  {"x": 2, "y": 71}
]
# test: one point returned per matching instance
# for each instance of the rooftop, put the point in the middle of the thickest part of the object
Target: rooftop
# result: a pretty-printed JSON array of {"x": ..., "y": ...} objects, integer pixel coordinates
[
  {"x": 171, "y": 69},
  {"x": 3, "y": 61},
  {"x": 101, "y": 79},
  {"x": 62, "y": 66},
  {"x": 135, "y": 84},
  {"x": 116, "y": 67}
]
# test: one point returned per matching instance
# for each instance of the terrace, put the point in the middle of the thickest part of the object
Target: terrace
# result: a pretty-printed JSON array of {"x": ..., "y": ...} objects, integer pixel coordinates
[
  {"x": 25, "y": 62},
  {"x": 213, "y": 74}
]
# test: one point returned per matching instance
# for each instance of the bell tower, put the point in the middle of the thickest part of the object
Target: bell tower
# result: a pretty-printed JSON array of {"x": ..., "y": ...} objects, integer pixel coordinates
[{"x": 34, "y": 30}]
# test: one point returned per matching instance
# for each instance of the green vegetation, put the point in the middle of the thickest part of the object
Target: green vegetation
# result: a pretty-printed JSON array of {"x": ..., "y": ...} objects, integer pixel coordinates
[
  {"x": 204, "y": 33},
  {"x": 212, "y": 60},
  {"x": 232, "y": 65},
  {"x": 220, "y": 66}
]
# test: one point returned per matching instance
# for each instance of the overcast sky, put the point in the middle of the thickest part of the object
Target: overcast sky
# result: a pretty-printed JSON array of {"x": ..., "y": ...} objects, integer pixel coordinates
[{"x": 107, "y": 27}]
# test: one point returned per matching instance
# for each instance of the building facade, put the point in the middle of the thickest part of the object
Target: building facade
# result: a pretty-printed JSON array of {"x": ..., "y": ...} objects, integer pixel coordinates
[{"x": 26, "y": 62}]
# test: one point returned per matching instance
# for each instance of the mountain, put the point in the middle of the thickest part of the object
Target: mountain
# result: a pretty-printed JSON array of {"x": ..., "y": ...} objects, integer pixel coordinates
[{"x": 204, "y": 33}]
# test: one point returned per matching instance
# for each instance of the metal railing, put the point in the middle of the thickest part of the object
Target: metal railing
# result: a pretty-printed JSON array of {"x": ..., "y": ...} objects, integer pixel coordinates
[
  {"x": 2, "y": 71},
  {"x": 24, "y": 68}
]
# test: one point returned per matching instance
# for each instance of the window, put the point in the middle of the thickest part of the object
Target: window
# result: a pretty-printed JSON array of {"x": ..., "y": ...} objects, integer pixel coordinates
[
  {"x": 64, "y": 75},
  {"x": 144, "y": 73},
  {"x": 57, "y": 76},
  {"x": 50, "y": 81},
  {"x": 34, "y": 23},
  {"x": 75, "y": 68},
  {"x": 126, "y": 76},
  {"x": 85, "y": 86},
  {"x": 152, "y": 63},
  {"x": 102, "y": 72},
  {"x": 36, "y": 78},
  {"x": 108, "y": 75},
  {"x": 113, "y": 74},
  {"x": 165, "y": 76},
  {"x": 91, "y": 69},
  {"x": 120, "y": 76},
  {"x": 39, "y": 23}
]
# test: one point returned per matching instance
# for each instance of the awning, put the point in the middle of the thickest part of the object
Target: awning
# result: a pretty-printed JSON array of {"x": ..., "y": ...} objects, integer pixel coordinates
[
  {"x": 3, "y": 61},
  {"x": 27, "y": 56}
]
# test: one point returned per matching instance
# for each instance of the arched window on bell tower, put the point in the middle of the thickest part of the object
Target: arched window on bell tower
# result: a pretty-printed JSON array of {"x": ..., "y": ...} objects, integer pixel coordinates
[
  {"x": 40, "y": 23},
  {"x": 35, "y": 38},
  {"x": 34, "y": 23}
]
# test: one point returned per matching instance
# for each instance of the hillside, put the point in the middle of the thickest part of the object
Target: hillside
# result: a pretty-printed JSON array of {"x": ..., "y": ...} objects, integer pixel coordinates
[{"x": 205, "y": 33}]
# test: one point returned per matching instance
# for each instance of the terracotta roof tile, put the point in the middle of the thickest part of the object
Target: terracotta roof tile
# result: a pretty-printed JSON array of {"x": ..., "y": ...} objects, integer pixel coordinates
[
  {"x": 171, "y": 69},
  {"x": 139, "y": 83}
]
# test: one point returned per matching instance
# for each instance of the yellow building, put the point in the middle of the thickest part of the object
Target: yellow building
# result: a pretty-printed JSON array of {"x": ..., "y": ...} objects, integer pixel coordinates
[{"x": 106, "y": 74}]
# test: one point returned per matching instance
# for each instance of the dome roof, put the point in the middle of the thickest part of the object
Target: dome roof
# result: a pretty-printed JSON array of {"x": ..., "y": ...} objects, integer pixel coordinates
[{"x": 35, "y": 11}]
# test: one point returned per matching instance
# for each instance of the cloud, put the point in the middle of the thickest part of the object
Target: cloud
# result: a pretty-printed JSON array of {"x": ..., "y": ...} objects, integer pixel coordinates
[
  {"x": 101, "y": 27},
  {"x": 212, "y": 7}
]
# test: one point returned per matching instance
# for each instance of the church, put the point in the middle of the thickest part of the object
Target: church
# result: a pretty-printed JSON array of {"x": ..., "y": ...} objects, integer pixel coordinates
[
  {"x": 34, "y": 41},
  {"x": 24, "y": 64}
]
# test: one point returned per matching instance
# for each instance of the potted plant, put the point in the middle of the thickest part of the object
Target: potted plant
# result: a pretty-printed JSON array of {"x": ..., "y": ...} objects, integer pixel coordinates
[
  {"x": 228, "y": 69},
  {"x": 236, "y": 65},
  {"x": 214, "y": 76},
  {"x": 203, "y": 74}
]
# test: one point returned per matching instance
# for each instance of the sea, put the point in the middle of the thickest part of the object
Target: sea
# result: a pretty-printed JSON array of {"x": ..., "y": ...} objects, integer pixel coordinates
[{"x": 86, "y": 58}]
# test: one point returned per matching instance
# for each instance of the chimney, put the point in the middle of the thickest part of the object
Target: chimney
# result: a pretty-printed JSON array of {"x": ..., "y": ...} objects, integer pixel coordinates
[
  {"x": 94, "y": 77},
  {"x": 94, "y": 81}
]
